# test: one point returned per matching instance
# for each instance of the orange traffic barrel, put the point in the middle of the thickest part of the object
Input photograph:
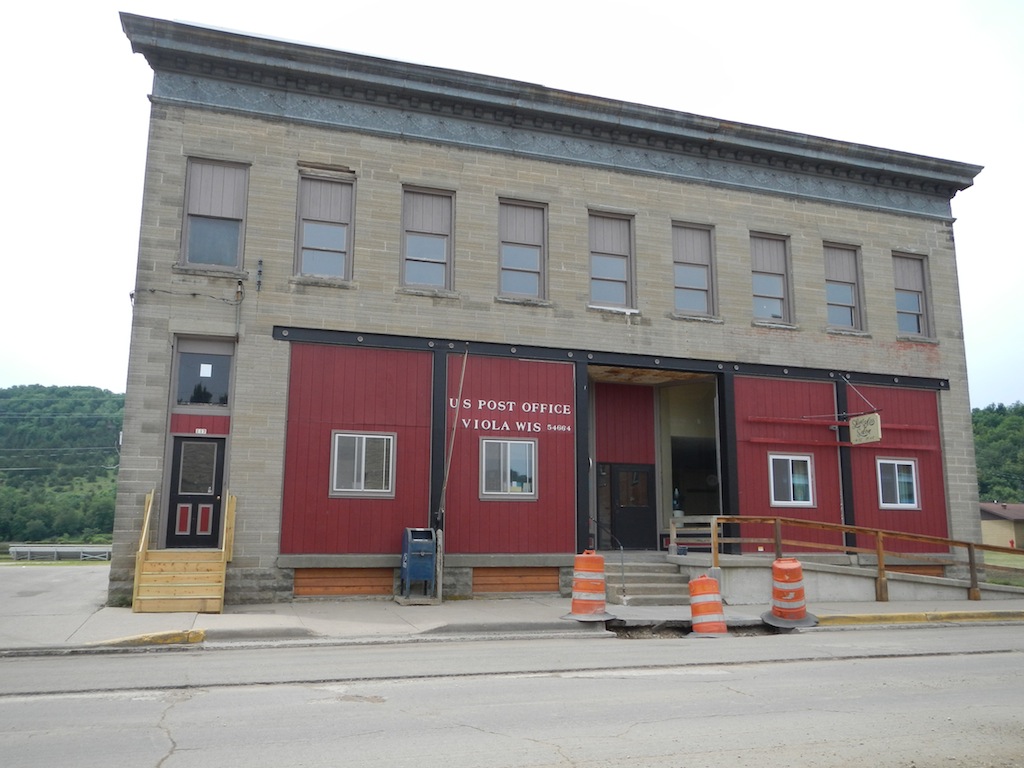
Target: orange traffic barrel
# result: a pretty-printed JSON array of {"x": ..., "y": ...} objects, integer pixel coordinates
[
  {"x": 789, "y": 608},
  {"x": 706, "y": 615},
  {"x": 588, "y": 588}
]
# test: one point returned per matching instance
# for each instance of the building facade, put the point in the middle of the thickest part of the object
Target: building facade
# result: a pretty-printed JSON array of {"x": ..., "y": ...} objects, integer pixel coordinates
[{"x": 374, "y": 296}]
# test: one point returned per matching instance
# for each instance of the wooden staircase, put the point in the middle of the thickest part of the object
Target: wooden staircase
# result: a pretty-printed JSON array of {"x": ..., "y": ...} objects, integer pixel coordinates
[
  {"x": 643, "y": 578},
  {"x": 181, "y": 580}
]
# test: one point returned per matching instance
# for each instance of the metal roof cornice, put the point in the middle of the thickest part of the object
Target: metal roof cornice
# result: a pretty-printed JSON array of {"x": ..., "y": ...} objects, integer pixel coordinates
[{"x": 177, "y": 49}]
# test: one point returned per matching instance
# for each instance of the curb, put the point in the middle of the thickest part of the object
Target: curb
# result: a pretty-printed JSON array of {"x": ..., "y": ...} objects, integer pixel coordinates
[
  {"x": 175, "y": 637},
  {"x": 846, "y": 620}
]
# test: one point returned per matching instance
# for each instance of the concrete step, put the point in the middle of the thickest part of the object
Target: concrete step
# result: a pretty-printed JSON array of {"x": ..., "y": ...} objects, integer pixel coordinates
[
  {"x": 611, "y": 568},
  {"x": 648, "y": 590},
  {"x": 653, "y": 600},
  {"x": 664, "y": 577},
  {"x": 644, "y": 579}
]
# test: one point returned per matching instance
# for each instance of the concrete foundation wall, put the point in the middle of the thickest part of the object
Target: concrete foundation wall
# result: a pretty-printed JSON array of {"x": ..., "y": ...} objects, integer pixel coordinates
[{"x": 749, "y": 582}]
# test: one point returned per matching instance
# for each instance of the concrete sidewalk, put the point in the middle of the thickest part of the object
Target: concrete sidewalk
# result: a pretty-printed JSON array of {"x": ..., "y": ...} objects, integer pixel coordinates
[{"x": 55, "y": 608}]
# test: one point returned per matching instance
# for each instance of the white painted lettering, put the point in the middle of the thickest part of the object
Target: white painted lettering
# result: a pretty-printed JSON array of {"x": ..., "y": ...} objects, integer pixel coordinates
[
  {"x": 495, "y": 405},
  {"x": 557, "y": 409}
]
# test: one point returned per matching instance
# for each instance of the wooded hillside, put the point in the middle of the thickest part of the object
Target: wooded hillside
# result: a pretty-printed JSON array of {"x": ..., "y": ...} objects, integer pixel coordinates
[
  {"x": 999, "y": 447},
  {"x": 58, "y": 462}
]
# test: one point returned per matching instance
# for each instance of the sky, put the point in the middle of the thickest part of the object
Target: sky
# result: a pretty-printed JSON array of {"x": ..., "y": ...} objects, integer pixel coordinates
[{"x": 943, "y": 78}]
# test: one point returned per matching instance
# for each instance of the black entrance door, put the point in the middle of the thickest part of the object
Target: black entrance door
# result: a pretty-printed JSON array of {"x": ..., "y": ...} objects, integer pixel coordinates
[
  {"x": 630, "y": 496},
  {"x": 194, "y": 506}
]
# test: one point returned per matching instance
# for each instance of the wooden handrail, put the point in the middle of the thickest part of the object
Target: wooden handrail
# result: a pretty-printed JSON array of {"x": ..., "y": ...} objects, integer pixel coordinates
[
  {"x": 140, "y": 554},
  {"x": 146, "y": 515},
  {"x": 880, "y": 550},
  {"x": 229, "y": 528}
]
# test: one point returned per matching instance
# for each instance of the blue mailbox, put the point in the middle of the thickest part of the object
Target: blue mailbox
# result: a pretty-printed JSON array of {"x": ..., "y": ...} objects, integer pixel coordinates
[{"x": 419, "y": 555}]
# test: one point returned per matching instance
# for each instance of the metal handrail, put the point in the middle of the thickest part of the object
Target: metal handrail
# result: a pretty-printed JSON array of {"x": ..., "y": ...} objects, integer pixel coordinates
[
  {"x": 879, "y": 549},
  {"x": 622, "y": 555}
]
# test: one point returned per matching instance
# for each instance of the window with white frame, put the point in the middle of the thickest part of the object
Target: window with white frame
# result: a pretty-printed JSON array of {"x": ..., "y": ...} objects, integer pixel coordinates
[
  {"x": 897, "y": 484},
  {"x": 792, "y": 480},
  {"x": 694, "y": 281},
  {"x": 427, "y": 236},
  {"x": 323, "y": 239},
  {"x": 362, "y": 464},
  {"x": 523, "y": 253},
  {"x": 214, "y": 225},
  {"x": 508, "y": 469}
]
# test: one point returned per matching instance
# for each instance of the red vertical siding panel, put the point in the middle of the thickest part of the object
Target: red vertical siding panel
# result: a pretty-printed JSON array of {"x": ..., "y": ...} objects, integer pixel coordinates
[
  {"x": 787, "y": 417},
  {"x": 624, "y": 423},
  {"x": 910, "y": 430},
  {"x": 547, "y": 524},
  {"x": 354, "y": 388}
]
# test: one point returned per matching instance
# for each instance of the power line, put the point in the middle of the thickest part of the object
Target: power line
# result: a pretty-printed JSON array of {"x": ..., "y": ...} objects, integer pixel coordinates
[
  {"x": 58, "y": 450},
  {"x": 106, "y": 416}
]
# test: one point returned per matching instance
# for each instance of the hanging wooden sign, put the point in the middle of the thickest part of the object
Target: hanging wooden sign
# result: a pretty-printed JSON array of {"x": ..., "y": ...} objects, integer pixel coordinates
[{"x": 866, "y": 428}]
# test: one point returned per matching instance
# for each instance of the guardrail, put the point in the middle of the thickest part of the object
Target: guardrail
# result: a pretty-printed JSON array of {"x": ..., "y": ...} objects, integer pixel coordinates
[
  {"x": 709, "y": 532},
  {"x": 54, "y": 552}
]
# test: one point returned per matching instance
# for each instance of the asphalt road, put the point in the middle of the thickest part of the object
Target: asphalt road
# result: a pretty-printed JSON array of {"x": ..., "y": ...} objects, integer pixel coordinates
[{"x": 907, "y": 698}]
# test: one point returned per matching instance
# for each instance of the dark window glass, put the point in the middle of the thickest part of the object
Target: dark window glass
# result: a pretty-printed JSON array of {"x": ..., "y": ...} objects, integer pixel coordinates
[
  {"x": 203, "y": 379},
  {"x": 198, "y": 468}
]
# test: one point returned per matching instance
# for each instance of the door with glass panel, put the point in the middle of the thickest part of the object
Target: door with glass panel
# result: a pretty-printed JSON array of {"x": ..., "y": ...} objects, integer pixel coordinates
[
  {"x": 196, "y": 490},
  {"x": 627, "y": 514}
]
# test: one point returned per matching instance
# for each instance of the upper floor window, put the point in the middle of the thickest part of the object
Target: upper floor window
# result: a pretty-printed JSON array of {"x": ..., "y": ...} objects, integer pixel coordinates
[
  {"x": 694, "y": 280},
  {"x": 911, "y": 295},
  {"x": 427, "y": 239},
  {"x": 203, "y": 372},
  {"x": 362, "y": 464},
  {"x": 611, "y": 261},
  {"x": 523, "y": 254},
  {"x": 323, "y": 240},
  {"x": 842, "y": 288},
  {"x": 770, "y": 272},
  {"x": 792, "y": 480},
  {"x": 897, "y": 484},
  {"x": 214, "y": 225}
]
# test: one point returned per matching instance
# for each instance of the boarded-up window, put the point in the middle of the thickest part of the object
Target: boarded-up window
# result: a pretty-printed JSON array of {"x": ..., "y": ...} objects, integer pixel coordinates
[
  {"x": 842, "y": 288},
  {"x": 427, "y": 248},
  {"x": 324, "y": 228},
  {"x": 770, "y": 279},
  {"x": 694, "y": 282},
  {"x": 215, "y": 196},
  {"x": 611, "y": 257},
  {"x": 911, "y": 296},
  {"x": 523, "y": 257}
]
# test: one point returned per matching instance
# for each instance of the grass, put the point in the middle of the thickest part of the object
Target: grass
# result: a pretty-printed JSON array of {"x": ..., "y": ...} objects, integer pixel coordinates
[{"x": 1005, "y": 560}]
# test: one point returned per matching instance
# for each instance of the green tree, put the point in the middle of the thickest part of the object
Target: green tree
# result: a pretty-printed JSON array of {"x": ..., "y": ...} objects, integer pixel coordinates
[{"x": 999, "y": 450}]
